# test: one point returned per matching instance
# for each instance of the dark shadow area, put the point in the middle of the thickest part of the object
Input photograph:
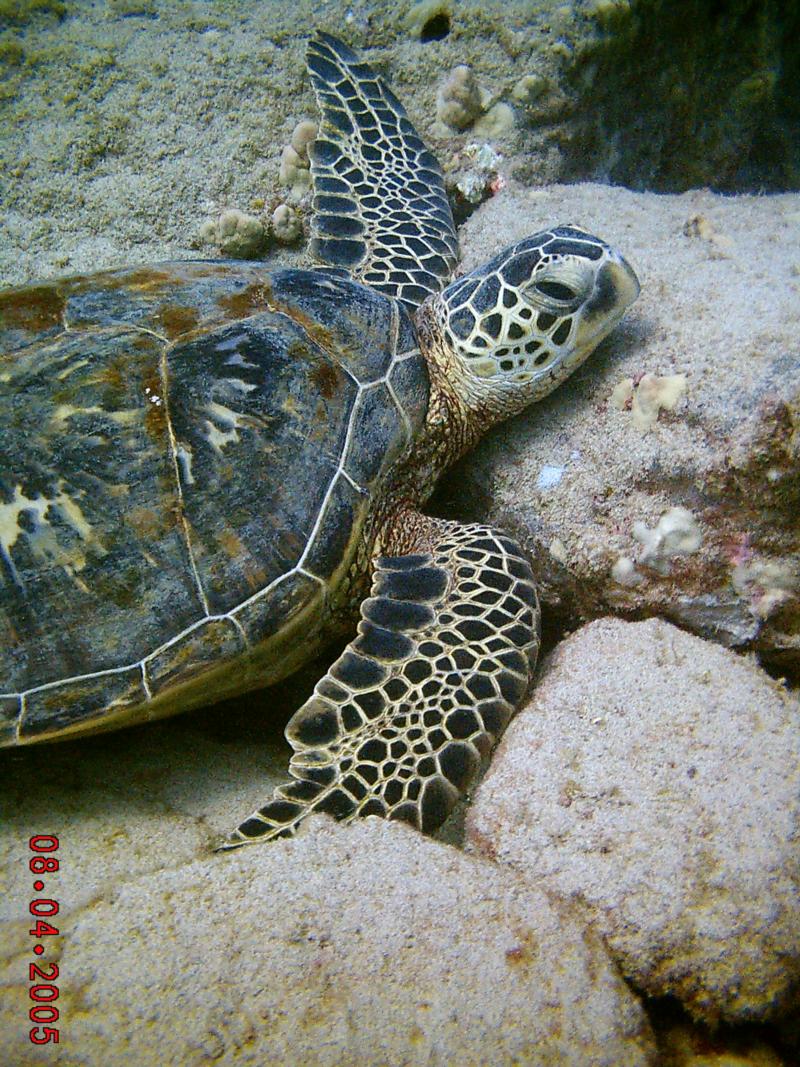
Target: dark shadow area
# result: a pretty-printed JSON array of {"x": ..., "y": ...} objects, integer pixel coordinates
[
  {"x": 436, "y": 28},
  {"x": 680, "y": 1040},
  {"x": 701, "y": 93}
]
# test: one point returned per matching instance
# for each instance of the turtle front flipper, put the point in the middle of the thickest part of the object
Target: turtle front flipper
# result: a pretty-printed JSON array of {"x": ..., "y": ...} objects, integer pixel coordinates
[
  {"x": 380, "y": 208},
  {"x": 399, "y": 725}
]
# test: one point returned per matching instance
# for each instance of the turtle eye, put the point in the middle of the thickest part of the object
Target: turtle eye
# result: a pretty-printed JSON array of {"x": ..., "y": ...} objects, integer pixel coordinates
[
  {"x": 556, "y": 290},
  {"x": 560, "y": 287}
]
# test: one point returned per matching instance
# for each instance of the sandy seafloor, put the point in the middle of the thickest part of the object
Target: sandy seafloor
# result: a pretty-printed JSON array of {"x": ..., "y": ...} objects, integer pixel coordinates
[{"x": 125, "y": 125}]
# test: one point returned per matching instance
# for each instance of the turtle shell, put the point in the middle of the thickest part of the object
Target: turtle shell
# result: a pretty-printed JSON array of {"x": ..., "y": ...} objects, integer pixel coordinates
[{"x": 189, "y": 458}]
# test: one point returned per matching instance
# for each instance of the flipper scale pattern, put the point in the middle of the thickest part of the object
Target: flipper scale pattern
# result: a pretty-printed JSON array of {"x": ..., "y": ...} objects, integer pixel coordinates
[
  {"x": 402, "y": 721},
  {"x": 380, "y": 207}
]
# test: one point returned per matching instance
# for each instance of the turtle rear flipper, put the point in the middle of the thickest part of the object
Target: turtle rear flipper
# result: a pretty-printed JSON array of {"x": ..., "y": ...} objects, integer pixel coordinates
[
  {"x": 380, "y": 208},
  {"x": 399, "y": 725}
]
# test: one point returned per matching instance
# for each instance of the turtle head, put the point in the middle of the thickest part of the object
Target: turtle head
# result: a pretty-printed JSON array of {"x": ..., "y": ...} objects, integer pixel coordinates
[{"x": 520, "y": 324}]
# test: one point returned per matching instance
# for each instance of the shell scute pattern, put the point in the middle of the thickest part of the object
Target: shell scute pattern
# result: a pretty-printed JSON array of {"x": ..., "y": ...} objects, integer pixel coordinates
[
  {"x": 212, "y": 641},
  {"x": 89, "y": 524},
  {"x": 199, "y": 499},
  {"x": 261, "y": 441},
  {"x": 264, "y": 616},
  {"x": 374, "y": 438},
  {"x": 29, "y": 316},
  {"x": 53, "y": 709},
  {"x": 358, "y": 332}
]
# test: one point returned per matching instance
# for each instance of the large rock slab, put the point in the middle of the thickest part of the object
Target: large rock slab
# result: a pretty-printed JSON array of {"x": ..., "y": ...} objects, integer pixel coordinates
[
  {"x": 627, "y": 506},
  {"x": 359, "y": 945},
  {"x": 655, "y": 778}
]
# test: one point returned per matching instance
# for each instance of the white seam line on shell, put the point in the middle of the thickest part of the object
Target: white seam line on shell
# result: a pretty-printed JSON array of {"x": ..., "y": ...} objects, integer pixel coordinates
[
  {"x": 358, "y": 488},
  {"x": 308, "y": 574},
  {"x": 140, "y": 663},
  {"x": 334, "y": 479},
  {"x": 240, "y": 628},
  {"x": 173, "y": 451},
  {"x": 78, "y": 678},
  {"x": 145, "y": 683},
  {"x": 184, "y": 633},
  {"x": 402, "y": 412},
  {"x": 284, "y": 315},
  {"x": 394, "y": 361},
  {"x": 144, "y": 329},
  {"x": 395, "y": 331},
  {"x": 115, "y": 327},
  {"x": 20, "y": 718},
  {"x": 263, "y": 592}
]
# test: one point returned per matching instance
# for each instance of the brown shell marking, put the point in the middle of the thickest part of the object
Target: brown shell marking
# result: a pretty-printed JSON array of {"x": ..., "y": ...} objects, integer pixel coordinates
[{"x": 35, "y": 308}]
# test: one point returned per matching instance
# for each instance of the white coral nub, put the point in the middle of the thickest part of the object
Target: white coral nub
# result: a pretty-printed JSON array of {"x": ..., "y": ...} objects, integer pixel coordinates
[
  {"x": 235, "y": 234},
  {"x": 647, "y": 397},
  {"x": 460, "y": 100},
  {"x": 767, "y": 584},
  {"x": 286, "y": 225},
  {"x": 295, "y": 170},
  {"x": 677, "y": 533}
]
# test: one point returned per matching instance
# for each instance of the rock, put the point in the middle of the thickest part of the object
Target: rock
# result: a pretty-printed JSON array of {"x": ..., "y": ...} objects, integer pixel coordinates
[
  {"x": 705, "y": 423},
  {"x": 720, "y": 127},
  {"x": 655, "y": 778},
  {"x": 676, "y": 534},
  {"x": 685, "y": 1046},
  {"x": 365, "y": 945}
]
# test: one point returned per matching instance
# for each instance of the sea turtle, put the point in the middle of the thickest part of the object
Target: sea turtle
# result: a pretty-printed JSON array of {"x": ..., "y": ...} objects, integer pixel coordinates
[{"x": 206, "y": 467}]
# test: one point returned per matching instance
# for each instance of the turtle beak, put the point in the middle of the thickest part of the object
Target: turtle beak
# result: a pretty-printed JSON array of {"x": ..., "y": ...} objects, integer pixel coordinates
[
  {"x": 615, "y": 289},
  {"x": 620, "y": 280}
]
